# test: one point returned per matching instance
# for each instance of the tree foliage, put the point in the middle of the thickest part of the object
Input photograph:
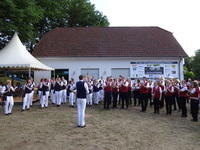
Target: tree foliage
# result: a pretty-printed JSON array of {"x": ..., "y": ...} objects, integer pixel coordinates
[
  {"x": 188, "y": 63},
  {"x": 192, "y": 66},
  {"x": 33, "y": 18},
  {"x": 196, "y": 64},
  {"x": 83, "y": 13},
  {"x": 188, "y": 74},
  {"x": 20, "y": 16}
]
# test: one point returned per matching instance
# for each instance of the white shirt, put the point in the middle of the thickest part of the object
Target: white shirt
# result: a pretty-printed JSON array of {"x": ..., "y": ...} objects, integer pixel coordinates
[
  {"x": 126, "y": 84},
  {"x": 2, "y": 89},
  {"x": 184, "y": 89},
  {"x": 65, "y": 82},
  {"x": 137, "y": 86},
  {"x": 172, "y": 88},
  {"x": 147, "y": 85},
  {"x": 193, "y": 90}
]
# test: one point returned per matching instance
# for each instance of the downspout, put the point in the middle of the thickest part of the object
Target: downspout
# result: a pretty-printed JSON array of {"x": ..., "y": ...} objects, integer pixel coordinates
[{"x": 179, "y": 69}]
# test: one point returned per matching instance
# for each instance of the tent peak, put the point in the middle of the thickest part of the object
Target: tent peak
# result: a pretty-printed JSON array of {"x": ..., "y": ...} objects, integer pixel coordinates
[{"x": 15, "y": 54}]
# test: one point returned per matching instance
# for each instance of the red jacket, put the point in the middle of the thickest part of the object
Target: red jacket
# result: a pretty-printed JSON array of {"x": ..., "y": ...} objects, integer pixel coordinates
[
  {"x": 183, "y": 94},
  {"x": 143, "y": 89},
  {"x": 124, "y": 89},
  {"x": 156, "y": 92},
  {"x": 108, "y": 88},
  {"x": 115, "y": 89},
  {"x": 168, "y": 92}
]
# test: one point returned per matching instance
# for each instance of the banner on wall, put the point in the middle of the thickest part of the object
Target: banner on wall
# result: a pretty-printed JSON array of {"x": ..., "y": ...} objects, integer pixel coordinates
[{"x": 154, "y": 69}]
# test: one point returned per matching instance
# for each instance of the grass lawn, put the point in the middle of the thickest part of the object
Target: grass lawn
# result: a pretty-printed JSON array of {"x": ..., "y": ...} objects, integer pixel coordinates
[{"x": 55, "y": 129}]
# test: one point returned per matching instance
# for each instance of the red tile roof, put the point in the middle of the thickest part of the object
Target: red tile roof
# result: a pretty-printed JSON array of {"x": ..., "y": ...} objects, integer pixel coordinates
[{"x": 109, "y": 42}]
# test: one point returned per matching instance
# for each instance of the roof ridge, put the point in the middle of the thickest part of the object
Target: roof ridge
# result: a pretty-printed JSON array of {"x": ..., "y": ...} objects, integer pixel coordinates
[{"x": 110, "y": 27}]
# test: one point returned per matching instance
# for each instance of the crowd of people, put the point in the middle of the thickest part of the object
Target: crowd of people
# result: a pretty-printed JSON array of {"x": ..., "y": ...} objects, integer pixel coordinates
[{"x": 121, "y": 92}]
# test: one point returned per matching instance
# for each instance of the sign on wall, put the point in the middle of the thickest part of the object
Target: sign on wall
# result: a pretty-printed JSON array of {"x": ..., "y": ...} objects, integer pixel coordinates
[{"x": 154, "y": 69}]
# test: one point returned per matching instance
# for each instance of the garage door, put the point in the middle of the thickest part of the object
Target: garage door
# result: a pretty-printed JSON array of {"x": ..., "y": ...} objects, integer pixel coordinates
[
  {"x": 116, "y": 72},
  {"x": 90, "y": 72}
]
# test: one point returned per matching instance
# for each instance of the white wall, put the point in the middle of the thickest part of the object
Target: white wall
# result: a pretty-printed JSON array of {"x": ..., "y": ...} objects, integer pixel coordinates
[{"x": 105, "y": 64}]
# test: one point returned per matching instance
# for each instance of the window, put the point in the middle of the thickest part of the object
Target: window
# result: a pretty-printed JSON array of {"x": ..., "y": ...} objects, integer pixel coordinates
[{"x": 93, "y": 72}]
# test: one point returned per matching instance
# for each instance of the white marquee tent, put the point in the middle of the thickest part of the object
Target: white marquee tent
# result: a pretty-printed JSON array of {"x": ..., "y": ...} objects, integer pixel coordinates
[{"x": 15, "y": 57}]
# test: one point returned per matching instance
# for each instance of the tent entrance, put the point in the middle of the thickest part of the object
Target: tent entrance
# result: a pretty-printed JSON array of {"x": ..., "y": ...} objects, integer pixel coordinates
[{"x": 60, "y": 73}]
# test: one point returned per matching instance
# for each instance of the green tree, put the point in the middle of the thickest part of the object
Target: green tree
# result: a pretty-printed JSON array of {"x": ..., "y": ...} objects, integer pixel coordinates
[
  {"x": 188, "y": 63},
  {"x": 54, "y": 15},
  {"x": 20, "y": 16},
  {"x": 188, "y": 74},
  {"x": 33, "y": 18},
  {"x": 82, "y": 13},
  {"x": 196, "y": 64}
]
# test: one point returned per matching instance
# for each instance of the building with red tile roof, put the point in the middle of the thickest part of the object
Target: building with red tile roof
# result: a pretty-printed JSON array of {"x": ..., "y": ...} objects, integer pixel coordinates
[{"x": 103, "y": 51}]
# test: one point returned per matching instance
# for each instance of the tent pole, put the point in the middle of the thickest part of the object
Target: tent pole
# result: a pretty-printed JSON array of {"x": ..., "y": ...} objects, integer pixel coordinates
[{"x": 29, "y": 72}]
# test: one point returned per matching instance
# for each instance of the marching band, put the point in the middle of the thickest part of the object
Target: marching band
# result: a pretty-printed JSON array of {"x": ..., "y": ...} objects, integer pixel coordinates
[{"x": 114, "y": 92}]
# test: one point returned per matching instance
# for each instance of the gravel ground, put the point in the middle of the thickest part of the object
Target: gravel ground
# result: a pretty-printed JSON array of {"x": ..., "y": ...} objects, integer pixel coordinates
[{"x": 55, "y": 129}]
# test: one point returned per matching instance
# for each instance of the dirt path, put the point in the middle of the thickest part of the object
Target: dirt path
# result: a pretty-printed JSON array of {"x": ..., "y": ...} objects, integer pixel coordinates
[{"x": 54, "y": 129}]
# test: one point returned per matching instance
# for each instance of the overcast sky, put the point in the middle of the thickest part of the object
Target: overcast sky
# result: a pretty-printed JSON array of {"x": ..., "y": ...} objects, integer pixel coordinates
[{"x": 181, "y": 17}]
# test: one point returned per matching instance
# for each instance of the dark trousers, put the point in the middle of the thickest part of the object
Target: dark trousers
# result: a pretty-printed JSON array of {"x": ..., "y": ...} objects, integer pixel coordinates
[
  {"x": 130, "y": 97},
  {"x": 162, "y": 101},
  {"x": 174, "y": 102},
  {"x": 183, "y": 106},
  {"x": 177, "y": 99},
  {"x": 115, "y": 95},
  {"x": 156, "y": 103},
  {"x": 144, "y": 101},
  {"x": 136, "y": 96},
  {"x": 150, "y": 99},
  {"x": 194, "y": 104},
  {"x": 107, "y": 100},
  {"x": 120, "y": 98},
  {"x": 168, "y": 102},
  {"x": 124, "y": 97}
]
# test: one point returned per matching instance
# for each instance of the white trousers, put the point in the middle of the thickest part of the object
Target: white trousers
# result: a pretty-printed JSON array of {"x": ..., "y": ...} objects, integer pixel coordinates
[
  {"x": 89, "y": 99},
  {"x": 9, "y": 103},
  {"x": 64, "y": 96},
  {"x": 31, "y": 102},
  {"x": 40, "y": 96},
  {"x": 26, "y": 101},
  {"x": 58, "y": 97},
  {"x": 45, "y": 100},
  {"x": 71, "y": 98},
  {"x": 96, "y": 97},
  {"x": 101, "y": 95},
  {"x": 53, "y": 97},
  {"x": 81, "y": 106}
]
